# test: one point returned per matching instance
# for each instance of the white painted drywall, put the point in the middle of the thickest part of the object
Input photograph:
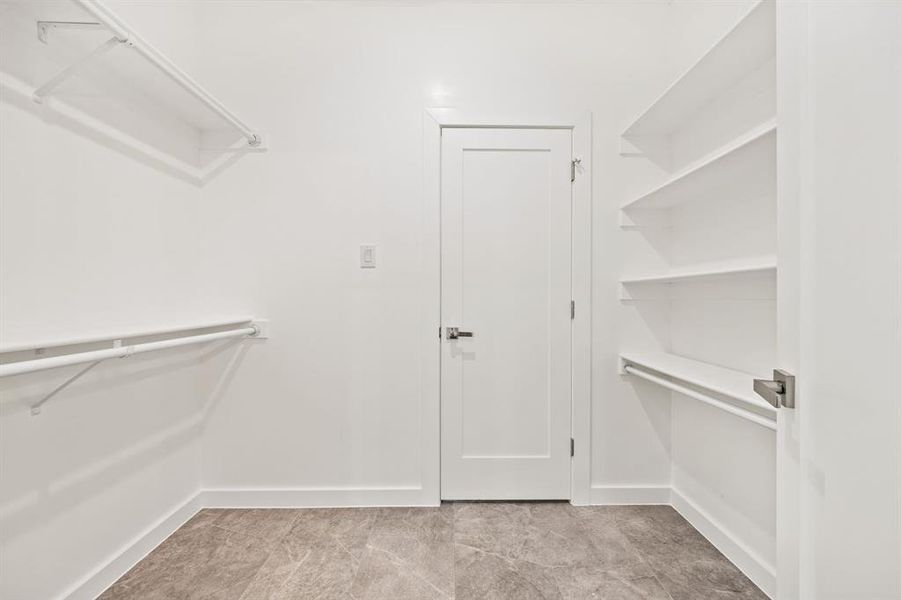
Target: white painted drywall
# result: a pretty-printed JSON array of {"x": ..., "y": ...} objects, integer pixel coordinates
[
  {"x": 91, "y": 241},
  {"x": 332, "y": 401}
]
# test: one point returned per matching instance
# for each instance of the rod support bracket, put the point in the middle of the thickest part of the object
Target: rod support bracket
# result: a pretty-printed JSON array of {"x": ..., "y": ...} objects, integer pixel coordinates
[
  {"x": 261, "y": 329},
  {"x": 36, "y": 406}
]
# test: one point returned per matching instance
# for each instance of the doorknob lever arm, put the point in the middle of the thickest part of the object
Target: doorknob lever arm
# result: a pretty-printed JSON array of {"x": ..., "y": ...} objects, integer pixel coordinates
[{"x": 452, "y": 333}]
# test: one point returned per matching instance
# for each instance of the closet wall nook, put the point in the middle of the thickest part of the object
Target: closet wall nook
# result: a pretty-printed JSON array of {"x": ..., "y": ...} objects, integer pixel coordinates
[{"x": 700, "y": 271}]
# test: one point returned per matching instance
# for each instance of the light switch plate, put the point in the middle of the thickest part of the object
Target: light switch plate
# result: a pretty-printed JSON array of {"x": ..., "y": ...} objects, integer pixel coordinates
[{"x": 367, "y": 256}]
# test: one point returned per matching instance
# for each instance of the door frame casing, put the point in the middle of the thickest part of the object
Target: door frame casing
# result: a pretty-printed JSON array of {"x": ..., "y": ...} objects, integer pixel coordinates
[{"x": 434, "y": 121}]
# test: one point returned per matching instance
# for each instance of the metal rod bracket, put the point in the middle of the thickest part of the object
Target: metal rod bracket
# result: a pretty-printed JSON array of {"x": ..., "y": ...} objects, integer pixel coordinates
[{"x": 779, "y": 391}]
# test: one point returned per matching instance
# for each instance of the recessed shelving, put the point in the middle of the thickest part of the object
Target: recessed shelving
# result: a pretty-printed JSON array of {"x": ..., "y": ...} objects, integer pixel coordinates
[
  {"x": 709, "y": 271},
  {"x": 735, "y": 385},
  {"x": 701, "y": 263},
  {"x": 747, "y": 166},
  {"x": 744, "y": 49}
]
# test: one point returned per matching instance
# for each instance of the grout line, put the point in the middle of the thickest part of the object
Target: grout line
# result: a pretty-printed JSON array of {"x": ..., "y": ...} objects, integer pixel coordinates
[{"x": 453, "y": 524}]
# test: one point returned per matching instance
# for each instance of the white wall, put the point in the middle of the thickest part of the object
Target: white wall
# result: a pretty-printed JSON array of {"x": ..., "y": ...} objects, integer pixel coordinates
[
  {"x": 91, "y": 240},
  {"x": 340, "y": 88}
]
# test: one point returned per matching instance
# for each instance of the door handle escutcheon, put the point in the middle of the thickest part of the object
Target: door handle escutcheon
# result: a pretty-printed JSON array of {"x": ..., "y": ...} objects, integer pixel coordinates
[{"x": 453, "y": 333}]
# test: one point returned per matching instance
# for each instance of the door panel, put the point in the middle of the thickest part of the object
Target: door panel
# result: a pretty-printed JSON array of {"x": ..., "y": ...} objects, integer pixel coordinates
[
  {"x": 506, "y": 265},
  {"x": 840, "y": 453}
]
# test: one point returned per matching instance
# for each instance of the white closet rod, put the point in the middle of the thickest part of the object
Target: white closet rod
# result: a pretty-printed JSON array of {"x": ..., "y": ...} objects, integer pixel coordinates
[
  {"x": 122, "y": 33},
  {"x": 739, "y": 412},
  {"x": 41, "y": 364}
]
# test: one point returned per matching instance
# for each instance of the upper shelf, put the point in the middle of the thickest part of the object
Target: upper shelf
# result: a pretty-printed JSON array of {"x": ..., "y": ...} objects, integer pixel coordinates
[
  {"x": 743, "y": 267},
  {"x": 748, "y": 46},
  {"x": 78, "y": 59},
  {"x": 746, "y": 165}
]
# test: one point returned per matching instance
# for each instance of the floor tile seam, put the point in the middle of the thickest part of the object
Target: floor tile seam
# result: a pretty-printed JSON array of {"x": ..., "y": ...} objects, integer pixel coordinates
[
  {"x": 511, "y": 561},
  {"x": 453, "y": 537}
]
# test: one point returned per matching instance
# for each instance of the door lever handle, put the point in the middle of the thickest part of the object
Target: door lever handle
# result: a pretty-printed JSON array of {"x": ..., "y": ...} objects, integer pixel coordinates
[
  {"x": 780, "y": 391},
  {"x": 453, "y": 333},
  {"x": 771, "y": 391}
]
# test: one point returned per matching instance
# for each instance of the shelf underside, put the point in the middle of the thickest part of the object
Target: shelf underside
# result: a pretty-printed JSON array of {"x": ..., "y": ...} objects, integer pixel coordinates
[{"x": 748, "y": 46}]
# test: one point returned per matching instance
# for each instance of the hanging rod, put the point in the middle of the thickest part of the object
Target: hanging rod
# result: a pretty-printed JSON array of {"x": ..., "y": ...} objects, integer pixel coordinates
[
  {"x": 729, "y": 408},
  {"x": 42, "y": 364},
  {"x": 39, "y": 344},
  {"x": 128, "y": 37}
]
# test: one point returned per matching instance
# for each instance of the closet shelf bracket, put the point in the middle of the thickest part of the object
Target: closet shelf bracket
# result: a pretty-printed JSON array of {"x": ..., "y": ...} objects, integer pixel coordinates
[
  {"x": 44, "y": 27},
  {"x": 36, "y": 406},
  {"x": 74, "y": 68}
]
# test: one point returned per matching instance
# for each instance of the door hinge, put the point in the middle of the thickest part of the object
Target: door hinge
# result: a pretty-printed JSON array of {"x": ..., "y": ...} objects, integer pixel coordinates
[
  {"x": 572, "y": 309},
  {"x": 572, "y": 168},
  {"x": 572, "y": 447}
]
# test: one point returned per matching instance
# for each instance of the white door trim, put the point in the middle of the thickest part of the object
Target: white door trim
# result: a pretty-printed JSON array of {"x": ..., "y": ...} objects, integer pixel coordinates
[{"x": 434, "y": 120}]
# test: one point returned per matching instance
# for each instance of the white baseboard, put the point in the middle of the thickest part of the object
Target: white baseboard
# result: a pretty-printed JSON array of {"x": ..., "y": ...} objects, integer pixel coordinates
[
  {"x": 94, "y": 584},
  {"x": 315, "y": 497},
  {"x": 626, "y": 494},
  {"x": 758, "y": 570}
]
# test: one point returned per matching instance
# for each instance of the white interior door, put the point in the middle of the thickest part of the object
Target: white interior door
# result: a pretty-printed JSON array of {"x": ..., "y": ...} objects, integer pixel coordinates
[
  {"x": 506, "y": 221},
  {"x": 839, "y": 486}
]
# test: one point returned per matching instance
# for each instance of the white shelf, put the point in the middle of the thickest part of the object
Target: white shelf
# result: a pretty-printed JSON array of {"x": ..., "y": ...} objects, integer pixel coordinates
[
  {"x": 747, "y": 47},
  {"x": 759, "y": 265},
  {"x": 736, "y": 385},
  {"x": 107, "y": 79},
  {"x": 746, "y": 166}
]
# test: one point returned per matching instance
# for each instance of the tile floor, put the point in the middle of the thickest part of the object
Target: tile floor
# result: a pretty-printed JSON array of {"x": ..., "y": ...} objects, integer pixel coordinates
[{"x": 483, "y": 551}]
